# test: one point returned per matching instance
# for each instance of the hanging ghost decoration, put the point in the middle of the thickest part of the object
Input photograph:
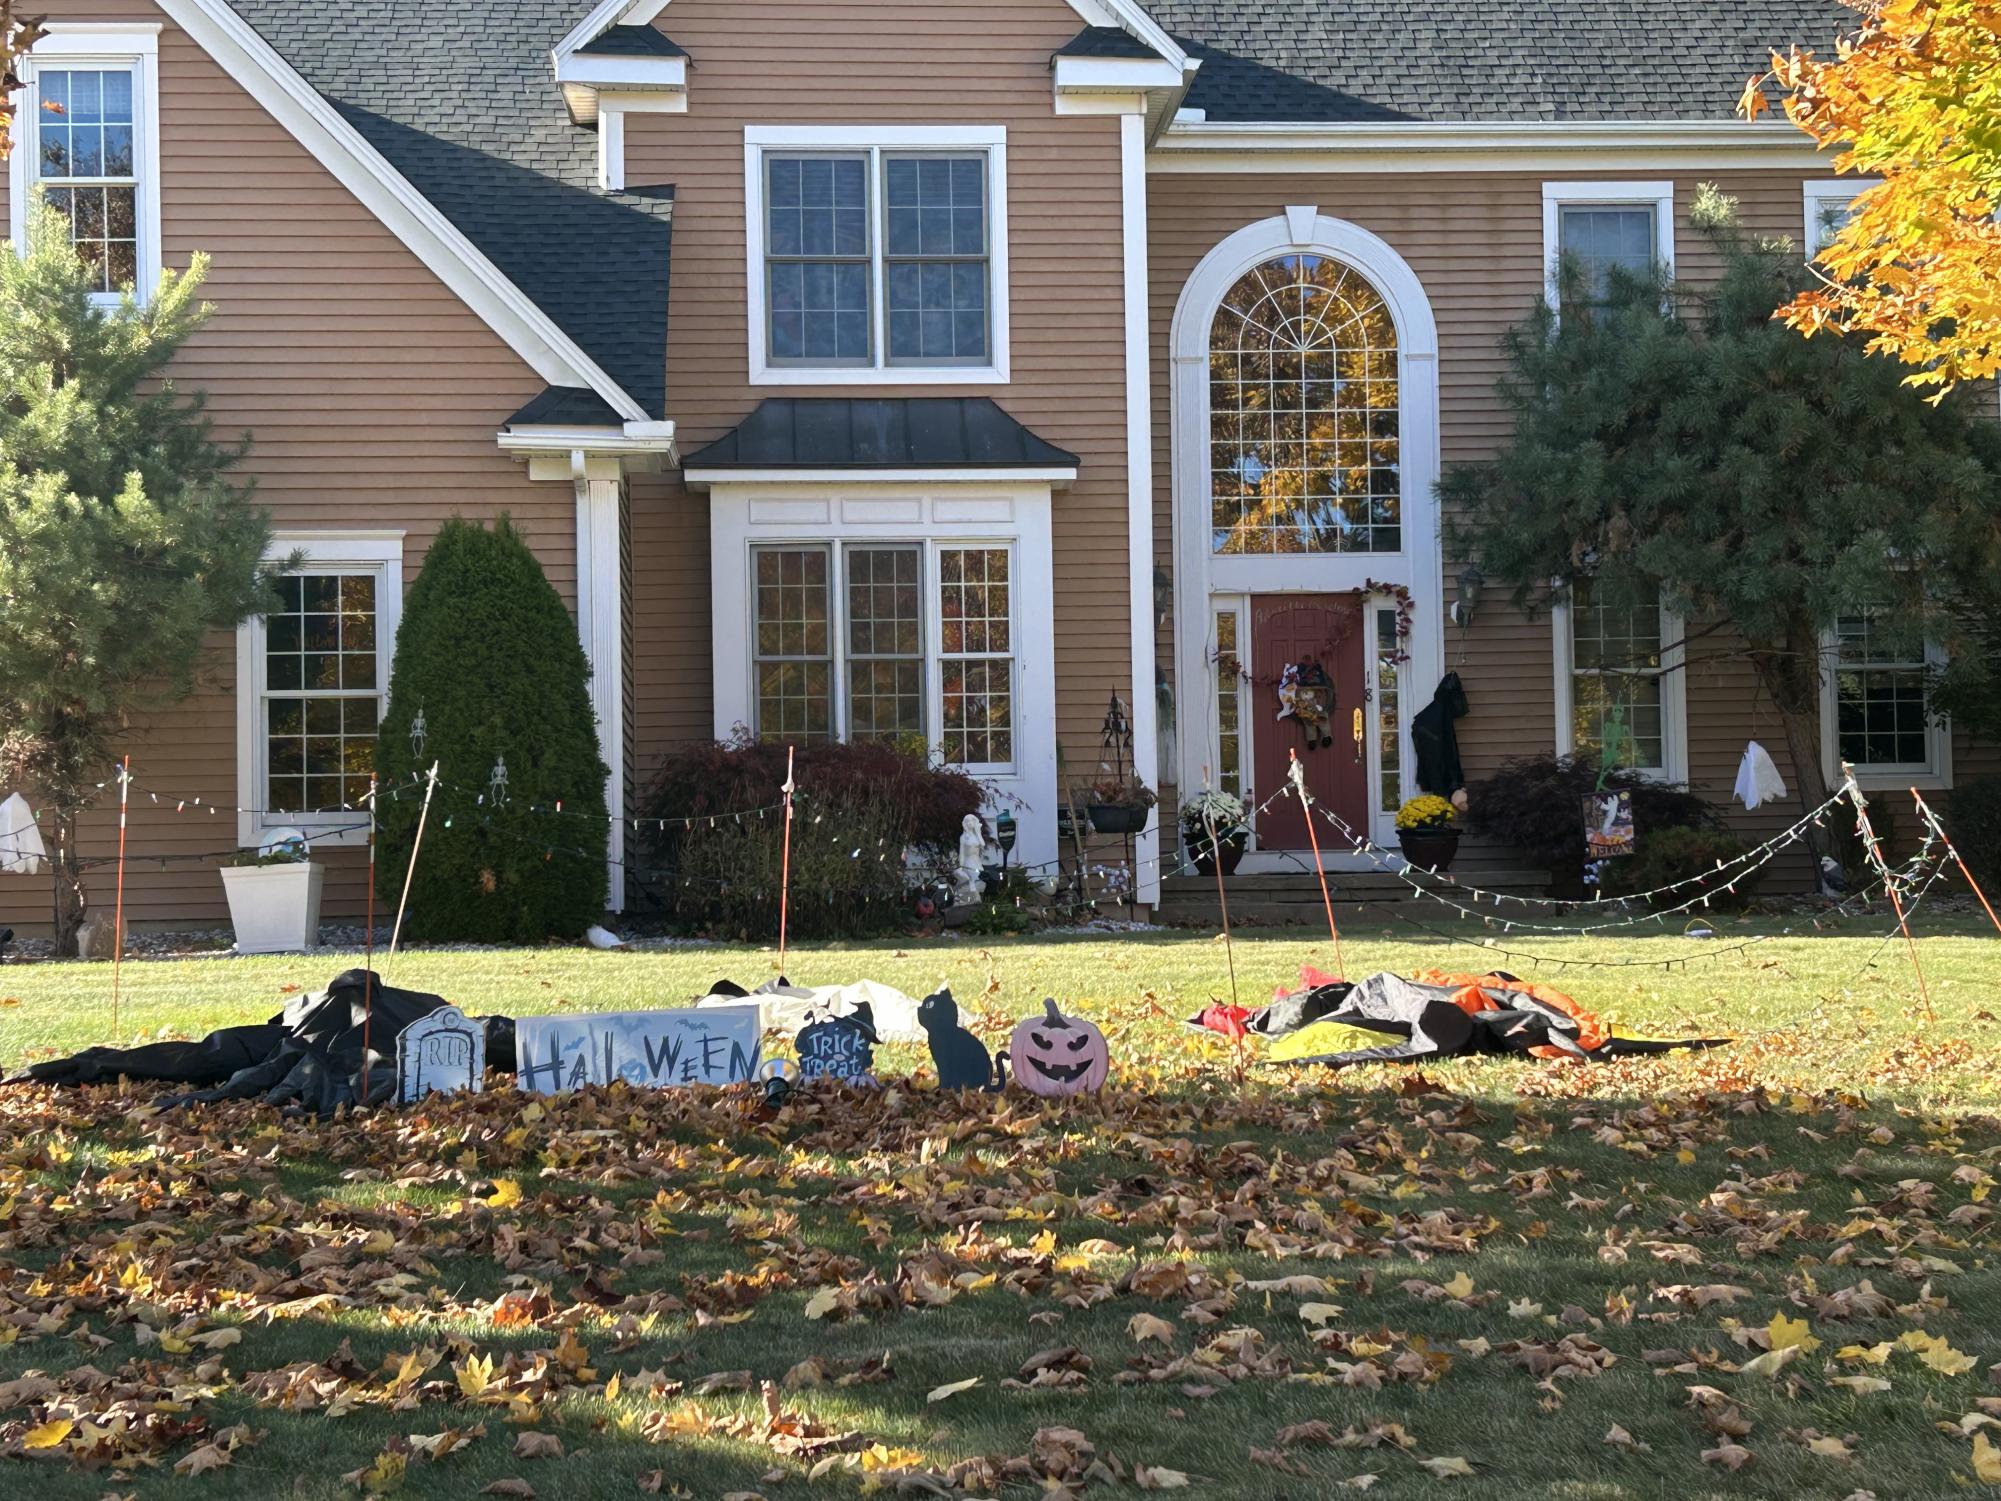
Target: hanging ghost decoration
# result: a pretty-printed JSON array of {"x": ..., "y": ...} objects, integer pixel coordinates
[{"x": 1054, "y": 1054}]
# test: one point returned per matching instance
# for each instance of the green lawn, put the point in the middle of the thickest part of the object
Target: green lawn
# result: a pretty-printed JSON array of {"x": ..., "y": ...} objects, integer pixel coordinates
[{"x": 1500, "y": 1270}]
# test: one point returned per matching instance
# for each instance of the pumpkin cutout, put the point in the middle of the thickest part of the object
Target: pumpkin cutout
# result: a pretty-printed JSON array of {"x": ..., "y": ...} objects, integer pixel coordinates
[{"x": 1054, "y": 1054}]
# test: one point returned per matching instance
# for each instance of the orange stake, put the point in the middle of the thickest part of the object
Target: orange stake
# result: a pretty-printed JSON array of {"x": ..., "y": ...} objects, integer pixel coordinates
[
  {"x": 1868, "y": 832},
  {"x": 1326, "y": 897},
  {"x": 1953, "y": 850},
  {"x": 785, "y": 867},
  {"x": 118, "y": 911}
]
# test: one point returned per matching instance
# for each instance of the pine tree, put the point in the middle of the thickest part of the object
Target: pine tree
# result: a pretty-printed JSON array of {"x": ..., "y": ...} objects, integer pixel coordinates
[
  {"x": 489, "y": 659},
  {"x": 1682, "y": 439},
  {"x": 124, "y": 543}
]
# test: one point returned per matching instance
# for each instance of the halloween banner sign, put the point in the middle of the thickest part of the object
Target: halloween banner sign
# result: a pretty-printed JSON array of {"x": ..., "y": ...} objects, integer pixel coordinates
[{"x": 713, "y": 1045}]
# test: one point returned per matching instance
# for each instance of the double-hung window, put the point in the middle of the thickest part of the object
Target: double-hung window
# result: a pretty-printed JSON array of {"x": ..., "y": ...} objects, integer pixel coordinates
[
  {"x": 88, "y": 142},
  {"x": 313, "y": 683},
  {"x": 893, "y": 642},
  {"x": 1607, "y": 228},
  {"x": 877, "y": 255},
  {"x": 1876, "y": 711},
  {"x": 1618, "y": 683}
]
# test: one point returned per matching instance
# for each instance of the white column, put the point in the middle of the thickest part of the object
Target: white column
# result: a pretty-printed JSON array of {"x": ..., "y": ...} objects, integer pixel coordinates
[
  {"x": 1139, "y": 488},
  {"x": 599, "y": 602}
]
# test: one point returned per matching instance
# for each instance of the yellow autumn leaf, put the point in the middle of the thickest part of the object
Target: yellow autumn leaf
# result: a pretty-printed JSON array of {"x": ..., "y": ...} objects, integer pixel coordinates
[
  {"x": 611, "y": 1388},
  {"x": 1873, "y": 1354},
  {"x": 1986, "y": 1460},
  {"x": 951, "y": 1389},
  {"x": 1449, "y": 1467},
  {"x": 49, "y": 1434},
  {"x": 1460, "y": 1286},
  {"x": 1319, "y": 1313},
  {"x": 1786, "y": 1333},
  {"x": 1158, "y": 1478},
  {"x": 823, "y": 1302},
  {"x": 1044, "y": 1244},
  {"x": 1860, "y": 1385},
  {"x": 1947, "y": 1361},
  {"x": 506, "y": 1194},
  {"x": 1829, "y": 1447},
  {"x": 1772, "y": 1362},
  {"x": 475, "y": 1375},
  {"x": 1145, "y": 1326}
]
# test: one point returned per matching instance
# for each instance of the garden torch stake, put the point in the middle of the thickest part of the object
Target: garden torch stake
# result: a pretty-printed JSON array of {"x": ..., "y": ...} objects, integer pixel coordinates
[
  {"x": 785, "y": 866},
  {"x": 1868, "y": 833},
  {"x": 410, "y": 875},
  {"x": 1952, "y": 850},
  {"x": 118, "y": 910},
  {"x": 1298, "y": 776},
  {"x": 368, "y": 944}
]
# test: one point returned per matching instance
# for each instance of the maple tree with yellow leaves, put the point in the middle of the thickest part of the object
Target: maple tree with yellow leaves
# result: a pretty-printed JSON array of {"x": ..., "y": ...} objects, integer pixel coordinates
[{"x": 1913, "y": 100}]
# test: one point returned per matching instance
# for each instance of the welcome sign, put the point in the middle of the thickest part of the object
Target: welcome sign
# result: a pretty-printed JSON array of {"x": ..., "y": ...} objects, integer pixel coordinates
[{"x": 713, "y": 1045}]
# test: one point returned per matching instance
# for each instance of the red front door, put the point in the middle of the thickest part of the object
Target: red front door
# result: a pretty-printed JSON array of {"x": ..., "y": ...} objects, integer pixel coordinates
[{"x": 1318, "y": 636}]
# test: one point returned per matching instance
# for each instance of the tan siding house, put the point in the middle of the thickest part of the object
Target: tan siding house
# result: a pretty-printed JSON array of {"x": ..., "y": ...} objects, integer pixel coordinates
[{"x": 742, "y": 307}]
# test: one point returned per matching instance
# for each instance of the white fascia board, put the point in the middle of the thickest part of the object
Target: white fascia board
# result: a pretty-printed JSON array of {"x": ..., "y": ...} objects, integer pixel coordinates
[
  {"x": 634, "y": 437},
  {"x": 823, "y": 479},
  {"x": 239, "y": 51},
  {"x": 641, "y": 74},
  {"x": 1133, "y": 20},
  {"x": 1115, "y": 74},
  {"x": 1201, "y": 135}
]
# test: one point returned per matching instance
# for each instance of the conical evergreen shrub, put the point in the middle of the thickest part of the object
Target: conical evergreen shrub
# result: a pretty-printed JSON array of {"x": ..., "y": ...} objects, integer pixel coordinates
[{"x": 488, "y": 656}]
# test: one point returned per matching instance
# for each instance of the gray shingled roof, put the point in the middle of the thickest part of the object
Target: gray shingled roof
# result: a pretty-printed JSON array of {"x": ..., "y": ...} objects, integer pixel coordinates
[
  {"x": 1105, "y": 41},
  {"x": 1351, "y": 61},
  {"x": 912, "y": 432},
  {"x": 460, "y": 97}
]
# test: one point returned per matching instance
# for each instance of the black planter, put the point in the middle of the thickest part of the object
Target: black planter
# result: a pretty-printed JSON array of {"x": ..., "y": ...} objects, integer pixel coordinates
[
  {"x": 1225, "y": 851},
  {"x": 1119, "y": 818},
  {"x": 1429, "y": 849}
]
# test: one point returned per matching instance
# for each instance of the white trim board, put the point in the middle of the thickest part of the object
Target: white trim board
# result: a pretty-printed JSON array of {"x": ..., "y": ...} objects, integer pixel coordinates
[
  {"x": 385, "y": 192},
  {"x": 1200, "y": 575},
  {"x": 1139, "y": 491},
  {"x": 601, "y": 628},
  {"x": 702, "y": 479}
]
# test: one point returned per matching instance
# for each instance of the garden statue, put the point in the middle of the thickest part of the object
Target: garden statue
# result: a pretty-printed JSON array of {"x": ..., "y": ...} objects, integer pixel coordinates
[{"x": 967, "y": 885}]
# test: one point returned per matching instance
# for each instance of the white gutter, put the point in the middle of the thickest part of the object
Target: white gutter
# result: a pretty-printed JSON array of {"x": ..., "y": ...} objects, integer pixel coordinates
[{"x": 1190, "y": 132}]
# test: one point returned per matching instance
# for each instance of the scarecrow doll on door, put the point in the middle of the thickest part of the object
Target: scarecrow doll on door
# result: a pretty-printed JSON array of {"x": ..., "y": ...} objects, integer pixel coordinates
[{"x": 1306, "y": 697}]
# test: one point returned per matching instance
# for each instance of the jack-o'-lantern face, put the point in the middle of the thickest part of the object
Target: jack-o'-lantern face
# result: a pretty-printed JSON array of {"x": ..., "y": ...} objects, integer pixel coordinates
[{"x": 1054, "y": 1054}]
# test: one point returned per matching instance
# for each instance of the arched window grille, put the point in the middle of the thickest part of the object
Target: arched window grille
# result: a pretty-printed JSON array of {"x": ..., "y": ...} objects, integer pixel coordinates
[{"x": 1303, "y": 424}]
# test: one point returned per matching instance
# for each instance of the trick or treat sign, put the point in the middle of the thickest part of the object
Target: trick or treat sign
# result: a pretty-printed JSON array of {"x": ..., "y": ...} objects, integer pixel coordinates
[
  {"x": 660, "y": 1049},
  {"x": 839, "y": 1047}
]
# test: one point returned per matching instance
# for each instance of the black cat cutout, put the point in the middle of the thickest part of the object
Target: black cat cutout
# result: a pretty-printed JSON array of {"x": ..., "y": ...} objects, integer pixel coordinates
[{"x": 961, "y": 1058}]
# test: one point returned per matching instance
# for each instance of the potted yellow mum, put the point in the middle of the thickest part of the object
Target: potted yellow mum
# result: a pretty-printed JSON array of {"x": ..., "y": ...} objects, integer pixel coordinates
[{"x": 1426, "y": 830}]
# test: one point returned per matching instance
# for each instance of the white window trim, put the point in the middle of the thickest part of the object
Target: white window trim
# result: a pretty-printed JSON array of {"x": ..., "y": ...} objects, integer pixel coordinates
[
  {"x": 134, "y": 45},
  {"x": 757, "y": 139},
  {"x": 1816, "y": 194},
  {"x": 377, "y": 552},
  {"x": 1556, "y": 196},
  {"x": 1934, "y": 775},
  {"x": 1674, "y": 692},
  {"x": 835, "y": 509}
]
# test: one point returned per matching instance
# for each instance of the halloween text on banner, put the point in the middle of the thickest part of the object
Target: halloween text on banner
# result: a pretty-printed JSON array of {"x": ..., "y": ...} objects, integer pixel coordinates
[{"x": 713, "y": 1045}]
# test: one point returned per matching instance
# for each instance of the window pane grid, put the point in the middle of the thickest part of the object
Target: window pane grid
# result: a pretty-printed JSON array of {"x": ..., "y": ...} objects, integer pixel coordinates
[
  {"x": 321, "y": 691},
  {"x": 885, "y": 644},
  {"x": 85, "y": 156},
  {"x": 935, "y": 258},
  {"x": 1229, "y": 707},
  {"x": 1388, "y": 726},
  {"x": 817, "y": 252},
  {"x": 1304, "y": 436},
  {"x": 976, "y": 672},
  {"x": 1882, "y": 712},
  {"x": 793, "y": 644},
  {"x": 1616, "y": 676}
]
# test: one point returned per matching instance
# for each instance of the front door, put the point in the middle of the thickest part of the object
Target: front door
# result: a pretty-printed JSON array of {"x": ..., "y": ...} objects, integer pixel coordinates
[{"x": 1306, "y": 689}]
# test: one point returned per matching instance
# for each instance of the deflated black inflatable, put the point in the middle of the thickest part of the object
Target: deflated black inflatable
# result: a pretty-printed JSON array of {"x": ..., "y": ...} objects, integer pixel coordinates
[{"x": 308, "y": 1057}]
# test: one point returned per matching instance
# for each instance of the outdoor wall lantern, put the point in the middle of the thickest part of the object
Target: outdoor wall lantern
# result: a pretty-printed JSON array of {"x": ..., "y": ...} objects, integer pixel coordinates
[{"x": 1471, "y": 582}]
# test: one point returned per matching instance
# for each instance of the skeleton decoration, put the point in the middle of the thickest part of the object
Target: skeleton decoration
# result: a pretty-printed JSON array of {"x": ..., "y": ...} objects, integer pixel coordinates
[{"x": 442, "y": 1053}]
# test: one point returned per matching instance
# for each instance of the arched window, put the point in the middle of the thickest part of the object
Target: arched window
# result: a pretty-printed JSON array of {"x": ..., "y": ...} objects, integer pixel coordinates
[{"x": 1303, "y": 430}]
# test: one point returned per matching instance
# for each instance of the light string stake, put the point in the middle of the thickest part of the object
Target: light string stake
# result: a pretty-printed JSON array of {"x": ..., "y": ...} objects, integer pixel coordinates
[
  {"x": 118, "y": 908},
  {"x": 1931, "y": 819},
  {"x": 410, "y": 872},
  {"x": 1297, "y": 776},
  {"x": 785, "y": 867},
  {"x": 368, "y": 941},
  {"x": 1868, "y": 833}
]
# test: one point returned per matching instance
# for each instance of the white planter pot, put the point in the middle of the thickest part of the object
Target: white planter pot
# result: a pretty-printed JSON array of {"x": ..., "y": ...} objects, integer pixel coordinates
[{"x": 274, "y": 908}]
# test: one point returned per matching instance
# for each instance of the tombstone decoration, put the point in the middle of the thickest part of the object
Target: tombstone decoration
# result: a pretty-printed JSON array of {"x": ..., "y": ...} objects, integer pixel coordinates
[
  {"x": 839, "y": 1047},
  {"x": 1054, "y": 1054},
  {"x": 705, "y": 1045},
  {"x": 442, "y": 1053}
]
